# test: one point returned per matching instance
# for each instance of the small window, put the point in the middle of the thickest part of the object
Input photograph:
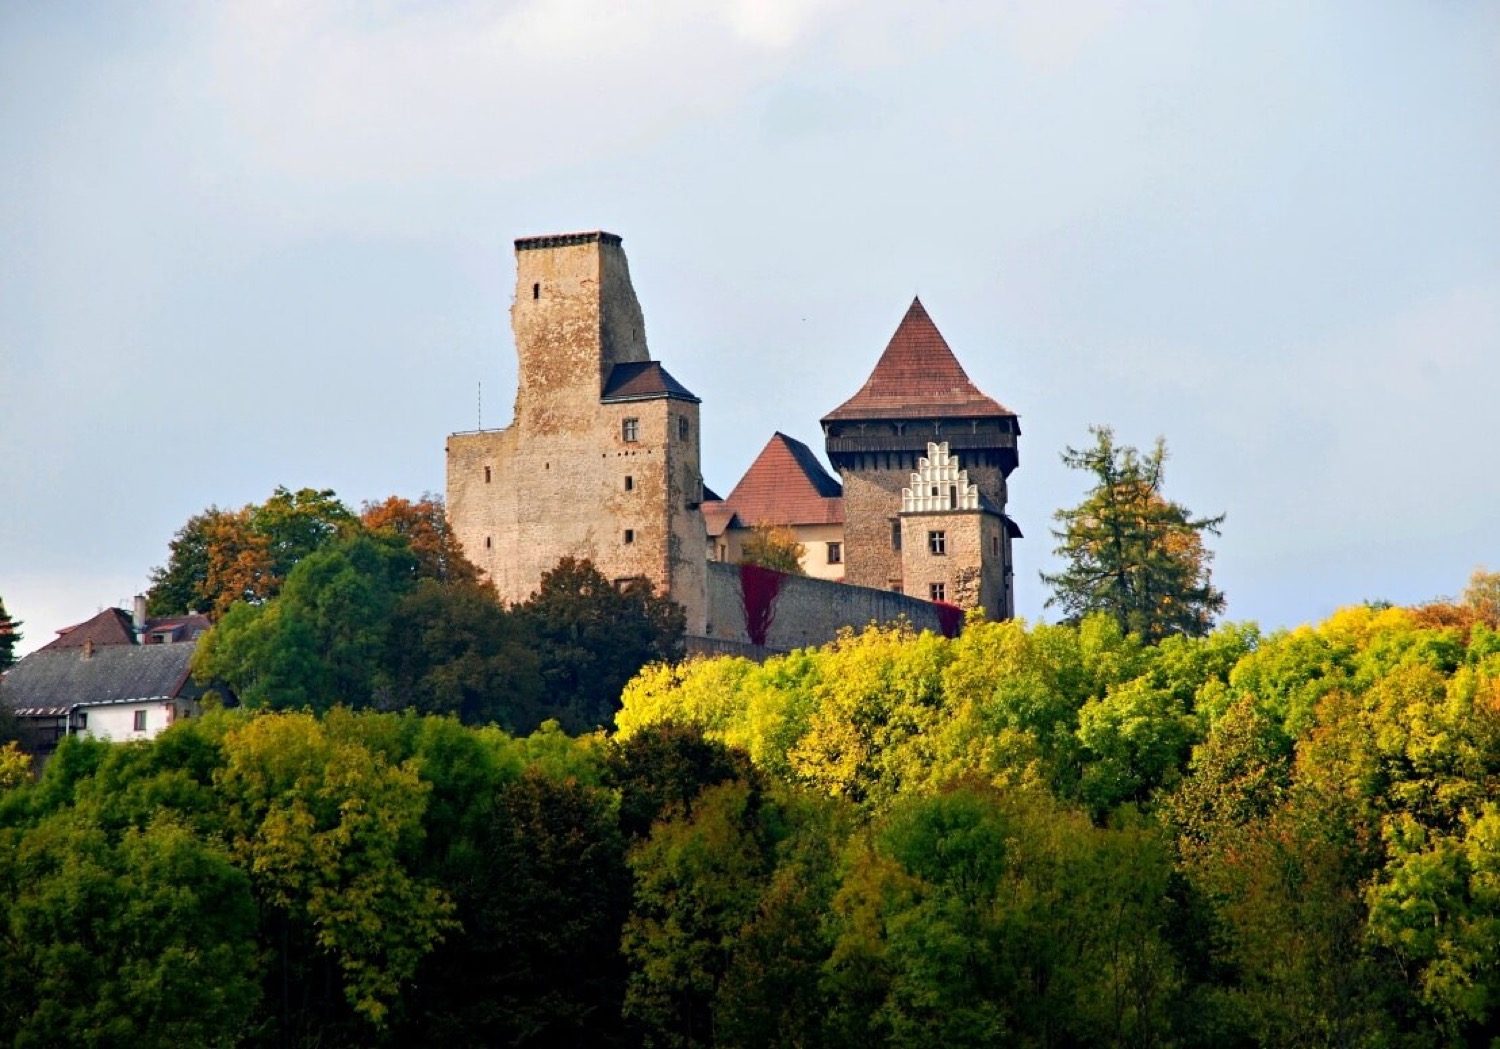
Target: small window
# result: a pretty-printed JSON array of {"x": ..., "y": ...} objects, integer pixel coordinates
[
  {"x": 682, "y": 428},
  {"x": 140, "y": 721},
  {"x": 895, "y": 533},
  {"x": 995, "y": 545},
  {"x": 536, "y": 291},
  {"x": 629, "y": 483},
  {"x": 629, "y": 535},
  {"x": 486, "y": 475},
  {"x": 488, "y": 542},
  {"x": 937, "y": 544},
  {"x": 939, "y": 591},
  {"x": 835, "y": 553},
  {"x": 953, "y": 497},
  {"x": 630, "y": 429},
  {"x": 894, "y": 586},
  {"x": 934, "y": 491}
]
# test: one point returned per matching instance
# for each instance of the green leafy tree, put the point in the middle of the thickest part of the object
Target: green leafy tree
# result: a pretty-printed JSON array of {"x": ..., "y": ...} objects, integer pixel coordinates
[
  {"x": 540, "y": 892},
  {"x": 774, "y": 547},
  {"x": 1129, "y": 552},
  {"x": 222, "y": 556},
  {"x": 593, "y": 635},
  {"x": 10, "y": 636},
  {"x": 322, "y": 640},
  {"x": 453, "y": 649}
]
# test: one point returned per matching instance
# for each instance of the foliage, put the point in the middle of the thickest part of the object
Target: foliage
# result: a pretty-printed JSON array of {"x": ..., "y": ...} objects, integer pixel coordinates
[
  {"x": 10, "y": 636},
  {"x": 593, "y": 636},
  {"x": 319, "y": 642},
  {"x": 222, "y": 556},
  {"x": 1128, "y": 551},
  {"x": 774, "y": 547},
  {"x": 424, "y": 527},
  {"x": 1027, "y": 835}
]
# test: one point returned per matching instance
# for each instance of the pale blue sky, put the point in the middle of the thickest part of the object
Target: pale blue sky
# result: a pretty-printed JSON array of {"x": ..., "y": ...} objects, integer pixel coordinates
[{"x": 250, "y": 244}]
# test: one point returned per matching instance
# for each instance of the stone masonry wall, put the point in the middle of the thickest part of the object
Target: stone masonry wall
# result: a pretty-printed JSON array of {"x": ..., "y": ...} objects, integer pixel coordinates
[
  {"x": 553, "y": 483},
  {"x": 809, "y": 611}
]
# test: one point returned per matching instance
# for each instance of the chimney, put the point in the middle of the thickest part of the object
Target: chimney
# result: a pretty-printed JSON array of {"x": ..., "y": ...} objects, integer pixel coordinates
[
  {"x": 140, "y": 617},
  {"x": 88, "y": 648}
]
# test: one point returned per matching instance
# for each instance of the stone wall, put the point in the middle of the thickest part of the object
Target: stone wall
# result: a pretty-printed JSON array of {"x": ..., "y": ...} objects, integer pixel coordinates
[
  {"x": 554, "y": 484},
  {"x": 809, "y": 611}
]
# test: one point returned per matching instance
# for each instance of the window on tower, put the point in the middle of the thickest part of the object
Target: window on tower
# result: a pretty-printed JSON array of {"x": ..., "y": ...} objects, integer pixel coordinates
[
  {"x": 937, "y": 544},
  {"x": 630, "y": 429},
  {"x": 937, "y": 591}
]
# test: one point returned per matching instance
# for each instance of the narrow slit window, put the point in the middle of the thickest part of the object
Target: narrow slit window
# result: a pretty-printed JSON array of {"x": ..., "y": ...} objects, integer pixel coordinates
[
  {"x": 629, "y": 483},
  {"x": 536, "y": 291},
  {"x": 486, "y": 475},
  {"x": 629, "y": 535}
]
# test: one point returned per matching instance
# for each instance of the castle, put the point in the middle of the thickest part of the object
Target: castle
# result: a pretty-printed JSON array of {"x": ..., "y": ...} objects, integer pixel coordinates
[{"x": 601, "y": 461}]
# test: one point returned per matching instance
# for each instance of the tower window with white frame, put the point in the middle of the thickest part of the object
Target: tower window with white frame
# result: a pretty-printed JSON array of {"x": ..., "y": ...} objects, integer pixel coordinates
[{"x": 630, "y": 429}]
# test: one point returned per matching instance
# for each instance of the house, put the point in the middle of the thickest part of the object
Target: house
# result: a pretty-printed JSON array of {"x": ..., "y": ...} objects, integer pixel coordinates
[{"x": 116, "y": 676}]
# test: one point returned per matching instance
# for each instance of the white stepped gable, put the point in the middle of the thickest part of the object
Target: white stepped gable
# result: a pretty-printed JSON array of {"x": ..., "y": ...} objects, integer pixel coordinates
[{"x": 939, "y": 484}]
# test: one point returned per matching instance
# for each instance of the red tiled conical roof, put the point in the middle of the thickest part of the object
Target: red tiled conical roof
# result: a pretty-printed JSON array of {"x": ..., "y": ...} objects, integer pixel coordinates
[
  {"x": 786, "y": 485},
  {"x": 917, "y": 377}
]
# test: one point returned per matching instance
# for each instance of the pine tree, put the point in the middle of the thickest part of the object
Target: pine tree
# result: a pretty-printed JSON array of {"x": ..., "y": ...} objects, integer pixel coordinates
[
  {"x": 10, "y": 636},
  {"x": 1129, "y": 552}
]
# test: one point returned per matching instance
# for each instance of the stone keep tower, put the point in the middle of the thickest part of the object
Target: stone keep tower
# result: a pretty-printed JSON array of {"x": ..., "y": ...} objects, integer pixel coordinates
[
  {"x": 924, "y": 457},
  {"x": 601, "y": 459}
]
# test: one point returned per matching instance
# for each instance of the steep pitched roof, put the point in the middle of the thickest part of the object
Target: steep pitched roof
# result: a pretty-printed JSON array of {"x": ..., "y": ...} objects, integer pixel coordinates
[
  {"x": 113, "y": 673},
  {"x": 643, "y": 380},
  {"x": 786, "y": 485},
  {"x": 113, "y": 626},
  {"x": 918, "y": 377}
]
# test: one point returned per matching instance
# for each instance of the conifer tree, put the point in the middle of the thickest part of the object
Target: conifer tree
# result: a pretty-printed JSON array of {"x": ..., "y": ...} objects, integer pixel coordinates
[{"x": 1128, "y": 551}]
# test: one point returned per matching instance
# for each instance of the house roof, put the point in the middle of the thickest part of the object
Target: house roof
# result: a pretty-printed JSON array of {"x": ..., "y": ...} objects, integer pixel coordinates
[
  {"x": 717, "y": 517},
  {"x": 113, "y": 626},
  {"x": 111, "y": 674},
  {"x": 787, "y": 485},
  {"x": 918, "y": 377},
  {"x": 643, "y": 380}
]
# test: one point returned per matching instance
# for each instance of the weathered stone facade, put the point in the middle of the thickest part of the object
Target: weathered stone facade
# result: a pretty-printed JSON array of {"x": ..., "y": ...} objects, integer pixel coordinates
[{"x": 601, "y": 460}]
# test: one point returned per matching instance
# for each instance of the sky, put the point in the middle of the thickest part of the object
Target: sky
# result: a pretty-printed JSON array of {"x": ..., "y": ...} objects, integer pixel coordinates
[{"x": 250, "y": 244}]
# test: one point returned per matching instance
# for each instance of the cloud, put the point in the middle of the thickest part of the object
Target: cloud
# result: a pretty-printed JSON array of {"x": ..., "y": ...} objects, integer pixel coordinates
[{"x": 329, "y": 90}]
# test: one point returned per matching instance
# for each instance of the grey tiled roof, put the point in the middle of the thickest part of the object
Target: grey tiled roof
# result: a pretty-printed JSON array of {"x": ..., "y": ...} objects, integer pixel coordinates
[
  {"x": 643, "y": 380},
  {"x": 63, "y": 677}
]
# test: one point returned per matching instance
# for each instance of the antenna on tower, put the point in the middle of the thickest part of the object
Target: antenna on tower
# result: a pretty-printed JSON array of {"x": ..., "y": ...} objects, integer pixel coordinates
[{"x": 480, "y": 407}]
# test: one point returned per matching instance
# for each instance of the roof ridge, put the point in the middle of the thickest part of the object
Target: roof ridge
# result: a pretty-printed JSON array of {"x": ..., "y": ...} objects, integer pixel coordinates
[{"x": 918, "y": 374}]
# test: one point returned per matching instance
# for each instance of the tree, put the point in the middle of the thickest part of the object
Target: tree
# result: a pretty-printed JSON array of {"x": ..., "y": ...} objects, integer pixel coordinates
[
  {"x": 222, "y": 556},
  {"x": 10, "y": 636},
  {"x": 424, "y": 526},
  {"x": 774, "y": 547},
  {"x": 1129, "y": 552},
  {"x": 593, "y": 636},
  {"x": 321, "y": 641}
]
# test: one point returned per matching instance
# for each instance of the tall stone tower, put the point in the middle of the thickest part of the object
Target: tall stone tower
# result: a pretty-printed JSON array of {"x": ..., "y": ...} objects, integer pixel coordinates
[
  {"x": 601, "y": 460},
  {"x": 925, "y": 457}
]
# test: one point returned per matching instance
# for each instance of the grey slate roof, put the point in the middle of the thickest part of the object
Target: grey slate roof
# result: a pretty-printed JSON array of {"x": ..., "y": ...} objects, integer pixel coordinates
[
  {"x": 643, "y": 380},
  {"x": 113, "y": 674}
]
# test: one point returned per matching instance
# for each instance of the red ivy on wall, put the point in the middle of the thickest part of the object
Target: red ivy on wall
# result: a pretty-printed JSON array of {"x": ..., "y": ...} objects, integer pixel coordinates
[
  {"x": 759, "y": 588},
  {"x": 950, "y": 618}
]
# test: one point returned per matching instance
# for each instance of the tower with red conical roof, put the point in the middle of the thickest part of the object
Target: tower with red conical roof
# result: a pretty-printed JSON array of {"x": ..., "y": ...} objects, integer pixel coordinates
[{"x": 924, "y": 456}]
